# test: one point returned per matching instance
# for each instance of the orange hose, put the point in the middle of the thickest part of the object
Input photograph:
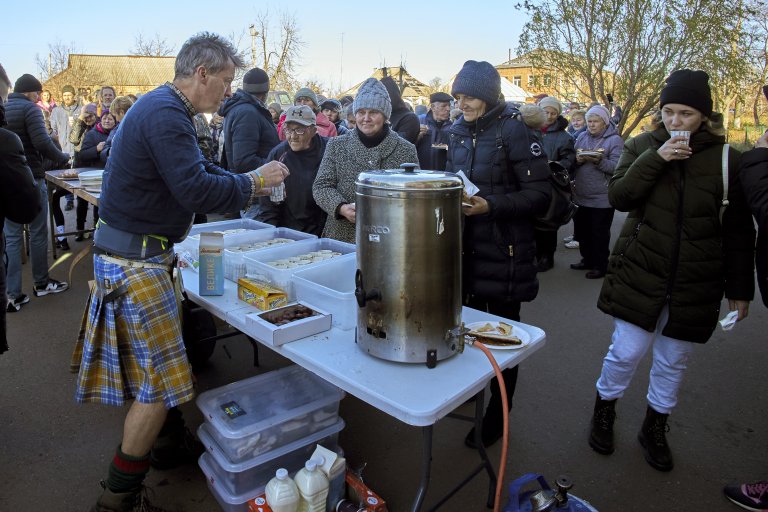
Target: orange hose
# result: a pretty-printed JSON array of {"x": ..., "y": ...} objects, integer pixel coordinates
[{"x": 505, "y": 437}]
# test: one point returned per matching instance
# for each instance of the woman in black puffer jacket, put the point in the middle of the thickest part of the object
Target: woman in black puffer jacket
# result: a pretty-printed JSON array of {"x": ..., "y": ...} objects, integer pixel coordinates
[{"x": 499, "y": 247}]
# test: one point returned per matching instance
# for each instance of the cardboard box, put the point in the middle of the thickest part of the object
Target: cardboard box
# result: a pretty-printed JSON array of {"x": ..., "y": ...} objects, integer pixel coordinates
[
  {"x": 264, "y": 330},
  {"x": 259, "y": 504},
  {"x": 358, "y": 492},
  {"x": 211, "y": 269},
  {"x": 260, "y": 294}
]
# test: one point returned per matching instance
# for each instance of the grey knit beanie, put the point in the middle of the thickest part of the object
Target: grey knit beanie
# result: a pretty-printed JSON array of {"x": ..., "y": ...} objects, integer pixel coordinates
[
  {"x": 550, "y": 101},
  {"x": 306, "y": 92},
  {"x": 373, "y": 95},
  {"x": 479, "y": 80}
]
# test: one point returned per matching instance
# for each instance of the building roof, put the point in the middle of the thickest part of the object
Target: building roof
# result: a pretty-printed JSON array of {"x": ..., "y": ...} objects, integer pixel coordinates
[
  {"x": 413, "y": 88},
  {"x": 118, "y": 70}
]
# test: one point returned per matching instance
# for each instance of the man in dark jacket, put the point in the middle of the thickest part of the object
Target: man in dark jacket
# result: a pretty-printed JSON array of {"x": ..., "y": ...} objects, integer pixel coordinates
[
  {"x": 301, "y": 152},
  {"x": 754, "y": 181},
  {"x": 403, "y": 121},
  {"x": 498, "y": 267},
  {"x": 26, "y": 120},
  {"x": 249, "y": 133},
  {"x": 19, "y": 200},
  {"x": 432, "y": 143}
]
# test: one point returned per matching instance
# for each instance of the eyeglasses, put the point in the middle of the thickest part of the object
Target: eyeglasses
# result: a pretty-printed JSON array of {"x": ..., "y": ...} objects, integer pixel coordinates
[{"x": 297, "y": 131}]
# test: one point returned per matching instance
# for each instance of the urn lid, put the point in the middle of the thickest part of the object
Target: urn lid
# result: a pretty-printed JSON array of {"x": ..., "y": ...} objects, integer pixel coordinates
[{"x": 409, "y": 177}]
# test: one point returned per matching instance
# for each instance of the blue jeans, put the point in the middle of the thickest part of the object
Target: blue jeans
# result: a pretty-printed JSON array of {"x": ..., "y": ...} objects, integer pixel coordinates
[{"x": 38, "y": 246}]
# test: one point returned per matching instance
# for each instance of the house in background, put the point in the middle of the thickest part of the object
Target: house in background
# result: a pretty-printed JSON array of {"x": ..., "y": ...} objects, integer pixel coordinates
[
  {"x": 413, "y": 90},
  {"x": 524, "y": 72},
  {"x": 128, "y": 74}
]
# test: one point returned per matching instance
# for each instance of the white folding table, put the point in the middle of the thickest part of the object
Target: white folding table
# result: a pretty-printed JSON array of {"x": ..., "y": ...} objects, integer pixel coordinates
[{"x": 411, "y": 393}]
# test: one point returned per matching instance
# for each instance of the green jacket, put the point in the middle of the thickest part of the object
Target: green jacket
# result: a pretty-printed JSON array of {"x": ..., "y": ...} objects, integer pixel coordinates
[{"x": 672, "y": 249}]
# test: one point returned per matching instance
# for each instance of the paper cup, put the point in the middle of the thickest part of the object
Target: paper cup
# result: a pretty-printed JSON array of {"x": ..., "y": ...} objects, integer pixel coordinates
[{"x": 682, "y": 133}]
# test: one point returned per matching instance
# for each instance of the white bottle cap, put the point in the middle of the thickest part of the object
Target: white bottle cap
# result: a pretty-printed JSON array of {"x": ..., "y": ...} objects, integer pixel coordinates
[
  {"x": 281, "y": 474},
  {"x": 310, "y": 465}
]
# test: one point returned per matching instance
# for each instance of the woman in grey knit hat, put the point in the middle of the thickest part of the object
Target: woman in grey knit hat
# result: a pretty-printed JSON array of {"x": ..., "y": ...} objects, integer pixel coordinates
[{"x": 370, "y": 146}]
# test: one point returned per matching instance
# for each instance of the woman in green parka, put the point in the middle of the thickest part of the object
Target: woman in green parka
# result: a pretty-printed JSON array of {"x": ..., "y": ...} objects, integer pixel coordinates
[{"x": 675, "y": 257}]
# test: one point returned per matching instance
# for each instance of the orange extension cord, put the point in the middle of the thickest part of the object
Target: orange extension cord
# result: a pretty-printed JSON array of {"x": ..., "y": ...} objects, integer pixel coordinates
[{"x": 505, "y": 438}]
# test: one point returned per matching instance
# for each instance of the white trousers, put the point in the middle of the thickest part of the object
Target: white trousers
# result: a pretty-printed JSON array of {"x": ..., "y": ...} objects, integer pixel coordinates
[{"x": 629, "y": 344}]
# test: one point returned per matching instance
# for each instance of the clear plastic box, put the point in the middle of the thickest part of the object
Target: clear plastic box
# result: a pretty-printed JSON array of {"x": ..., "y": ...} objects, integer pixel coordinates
[
  {"x": 228, "y": 502},
  {"x": 234, "y": 265},
  {"x": 226, "y": 225},
  {"x": 332, "y": 287},
  {"x": 191, "y": 244},
  {"x": 240, "y": 478},
  {"x": 255, "y": 415},
  {"x": 257, "y": 264}
]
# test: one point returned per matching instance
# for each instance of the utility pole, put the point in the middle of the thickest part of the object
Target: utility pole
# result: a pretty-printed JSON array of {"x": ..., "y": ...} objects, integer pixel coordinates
[
  {"x": 254, "y": 35},
  {"x": 341, "y": 65}
]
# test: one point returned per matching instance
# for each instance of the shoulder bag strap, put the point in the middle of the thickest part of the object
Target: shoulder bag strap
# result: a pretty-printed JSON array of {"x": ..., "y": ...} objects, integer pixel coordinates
[{"x": 724, "y": 165}]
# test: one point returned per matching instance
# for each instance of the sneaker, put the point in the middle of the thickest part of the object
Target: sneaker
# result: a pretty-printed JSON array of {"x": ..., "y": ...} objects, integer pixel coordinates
[
  {"x": 573, "y": 244},
  {"x": 568, "y": 239},
  {"x": 62, "y": 244},
  {"x": 14, "y": 305},
  {"x": 53, "y": 286},
  {"x": 749, "y": 496}
]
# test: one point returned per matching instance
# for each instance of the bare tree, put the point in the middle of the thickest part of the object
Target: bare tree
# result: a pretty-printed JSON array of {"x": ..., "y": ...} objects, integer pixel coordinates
[
  {"x": 154, "y": 47},
  {"x": 62, "y": 66},
  {"x": 436, "y": 85},
  {"x": 55, "y": 61},
  {"x": 627, "y": 47},
  {"x": 277, "y": 48}
]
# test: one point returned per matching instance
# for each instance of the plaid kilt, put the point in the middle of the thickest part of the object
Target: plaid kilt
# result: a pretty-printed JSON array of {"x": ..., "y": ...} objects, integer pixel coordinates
[{"x": 132, "y": 347}]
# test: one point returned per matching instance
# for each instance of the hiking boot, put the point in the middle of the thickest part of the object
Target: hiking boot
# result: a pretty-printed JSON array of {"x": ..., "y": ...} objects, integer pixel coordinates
[
  {"x": 175, "y": 449},
  {"x": 62, "y": 244},
  {"x": 15, "y": 304},
  {"x": 749, "y": 496},
  {"x": 544, "y": 263},
  {"x": 131, "y": 501},
  {"x": 601, "y": 432},
  {"x": 52, "y": 286},
  {"x": 653, "y": 439}
]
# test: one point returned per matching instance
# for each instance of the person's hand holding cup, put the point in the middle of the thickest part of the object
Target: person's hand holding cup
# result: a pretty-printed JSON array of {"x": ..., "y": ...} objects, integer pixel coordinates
[
  {"x": 273, "y": 173},
  {"x": 677, "y": 147}
]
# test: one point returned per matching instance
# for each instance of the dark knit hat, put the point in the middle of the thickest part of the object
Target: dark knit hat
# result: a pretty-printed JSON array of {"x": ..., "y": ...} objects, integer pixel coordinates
[
  {"x": 306, "y": 92},
  {"x": 331, "y": 104},
  {"x": 69, "y": 89},
  {"x": 373, "y": 95},
  {"x": 440, "y": 96},
  {"x": 479, "y": 80},
  {"x": 27, "y": 83},
  {"x": 256, "y": 81},
  {"x": 688, "y": 87}
]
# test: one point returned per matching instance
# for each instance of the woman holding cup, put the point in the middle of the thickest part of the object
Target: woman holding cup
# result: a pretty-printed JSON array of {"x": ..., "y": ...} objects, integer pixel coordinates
[{"x": 678, "y": 253}]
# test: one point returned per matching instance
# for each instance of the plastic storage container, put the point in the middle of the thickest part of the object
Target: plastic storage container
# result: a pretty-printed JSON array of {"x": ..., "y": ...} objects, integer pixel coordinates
[
  {"x": 235, "y": 232},
  {"x": 238, "y": 478},
  {"x": 257, "y": 264},
  {"x": 258, "y": 414},
  {"x": 235, "y": 247},
  {"x": 229, "y": 502},
  {"x": 332, "y": 288},
  {"x": 227, "y": 225}
]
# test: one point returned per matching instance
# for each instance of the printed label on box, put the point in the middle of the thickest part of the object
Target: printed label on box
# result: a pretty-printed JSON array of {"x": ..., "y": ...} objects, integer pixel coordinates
[{"x": 233, "y": 410}]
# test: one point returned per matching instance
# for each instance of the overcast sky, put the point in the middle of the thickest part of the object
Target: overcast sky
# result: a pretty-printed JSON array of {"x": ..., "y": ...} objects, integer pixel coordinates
[{"x": 432, "y": 39}]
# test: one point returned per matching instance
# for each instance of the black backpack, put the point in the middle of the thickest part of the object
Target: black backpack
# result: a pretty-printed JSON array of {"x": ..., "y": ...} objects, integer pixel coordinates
[{"x": 561, "y": 208}]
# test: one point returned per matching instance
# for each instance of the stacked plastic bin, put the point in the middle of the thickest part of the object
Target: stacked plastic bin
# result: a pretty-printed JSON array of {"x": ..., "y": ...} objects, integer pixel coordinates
[{"x": 260, "y": 424}]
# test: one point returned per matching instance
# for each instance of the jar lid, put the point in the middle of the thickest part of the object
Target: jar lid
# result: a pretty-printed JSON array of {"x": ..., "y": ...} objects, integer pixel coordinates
[{"x": 409, "y": 179}]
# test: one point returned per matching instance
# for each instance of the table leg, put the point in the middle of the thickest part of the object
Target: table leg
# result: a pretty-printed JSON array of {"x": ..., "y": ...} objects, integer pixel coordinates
[
  {"x": 51, "y": 222},
  {"x": 485, "y": 461},
  {"x": 426, "y": 465}
]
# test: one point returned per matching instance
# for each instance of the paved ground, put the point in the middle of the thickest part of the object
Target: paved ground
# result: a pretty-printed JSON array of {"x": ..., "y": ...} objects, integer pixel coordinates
[{"x": 53, "y": 452}]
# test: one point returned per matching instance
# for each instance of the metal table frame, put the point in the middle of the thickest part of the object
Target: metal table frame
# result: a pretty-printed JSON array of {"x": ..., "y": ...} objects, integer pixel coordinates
[{"x": 54, "y": 180}]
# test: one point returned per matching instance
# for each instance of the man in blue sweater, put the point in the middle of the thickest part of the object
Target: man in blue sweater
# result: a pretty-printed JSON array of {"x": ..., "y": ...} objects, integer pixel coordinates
[{"x": 155, "y": 179}]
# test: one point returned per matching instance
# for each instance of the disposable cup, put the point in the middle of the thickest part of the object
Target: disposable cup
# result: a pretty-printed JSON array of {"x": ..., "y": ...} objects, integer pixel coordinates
[{"x": 682, "y": 133}]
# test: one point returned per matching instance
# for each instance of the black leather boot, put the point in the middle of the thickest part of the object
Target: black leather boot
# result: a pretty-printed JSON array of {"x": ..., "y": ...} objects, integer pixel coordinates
[
  {"x": 653, "y": 439},
  {"x": 601, "y": 433},
  {"x": 493, "y": 421}
]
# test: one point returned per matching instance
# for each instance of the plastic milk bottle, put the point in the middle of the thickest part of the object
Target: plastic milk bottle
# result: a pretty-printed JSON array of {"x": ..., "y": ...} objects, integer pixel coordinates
[
  {"x": 282, "y": 493},
  {"x": 335, "y": 468},
  {"x": 313, "y": 487}
]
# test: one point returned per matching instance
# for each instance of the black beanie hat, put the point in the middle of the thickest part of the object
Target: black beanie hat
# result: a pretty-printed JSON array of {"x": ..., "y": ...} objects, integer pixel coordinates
[
  {"x": 440, "y": 96},
  {"x": 27, "y": 83},
  {"x": 479, "y": 80},
  {"x": 688, "y": 87},
  {"x": 256, "y": 81}
]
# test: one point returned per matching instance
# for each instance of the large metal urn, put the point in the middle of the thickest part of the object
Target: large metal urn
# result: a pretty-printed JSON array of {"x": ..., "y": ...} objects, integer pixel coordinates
[{"x": 408, "y": 280}]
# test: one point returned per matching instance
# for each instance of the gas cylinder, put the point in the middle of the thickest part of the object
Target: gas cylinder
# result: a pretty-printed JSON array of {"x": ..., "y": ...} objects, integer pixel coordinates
[{"x": 545, "y": 499}]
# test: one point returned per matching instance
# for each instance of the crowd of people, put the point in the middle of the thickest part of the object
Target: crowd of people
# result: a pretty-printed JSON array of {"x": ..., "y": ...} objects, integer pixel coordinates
[{"x": 687, "y": 242}]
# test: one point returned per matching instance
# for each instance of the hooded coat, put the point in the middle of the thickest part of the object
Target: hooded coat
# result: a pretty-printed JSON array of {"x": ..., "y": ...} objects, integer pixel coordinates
[
  {"x": 499, "y": 246},
  {"x": 249, "y": 132},
  {"x": 403, "y": 122},
  {"x": 754, "y": 181},
  {"x": 673, "y": 250},
  {"x": 558, "y": 144}
]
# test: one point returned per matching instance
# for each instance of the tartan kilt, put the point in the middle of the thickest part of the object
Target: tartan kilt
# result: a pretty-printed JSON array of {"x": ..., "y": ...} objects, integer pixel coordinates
[{"x": 132, "y": 346}]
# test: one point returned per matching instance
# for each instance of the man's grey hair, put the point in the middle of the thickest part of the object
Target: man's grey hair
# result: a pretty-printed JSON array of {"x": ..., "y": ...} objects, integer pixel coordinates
[
  {"x": 205, "y": 49},
  {"x": 4, "y": 76}
]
